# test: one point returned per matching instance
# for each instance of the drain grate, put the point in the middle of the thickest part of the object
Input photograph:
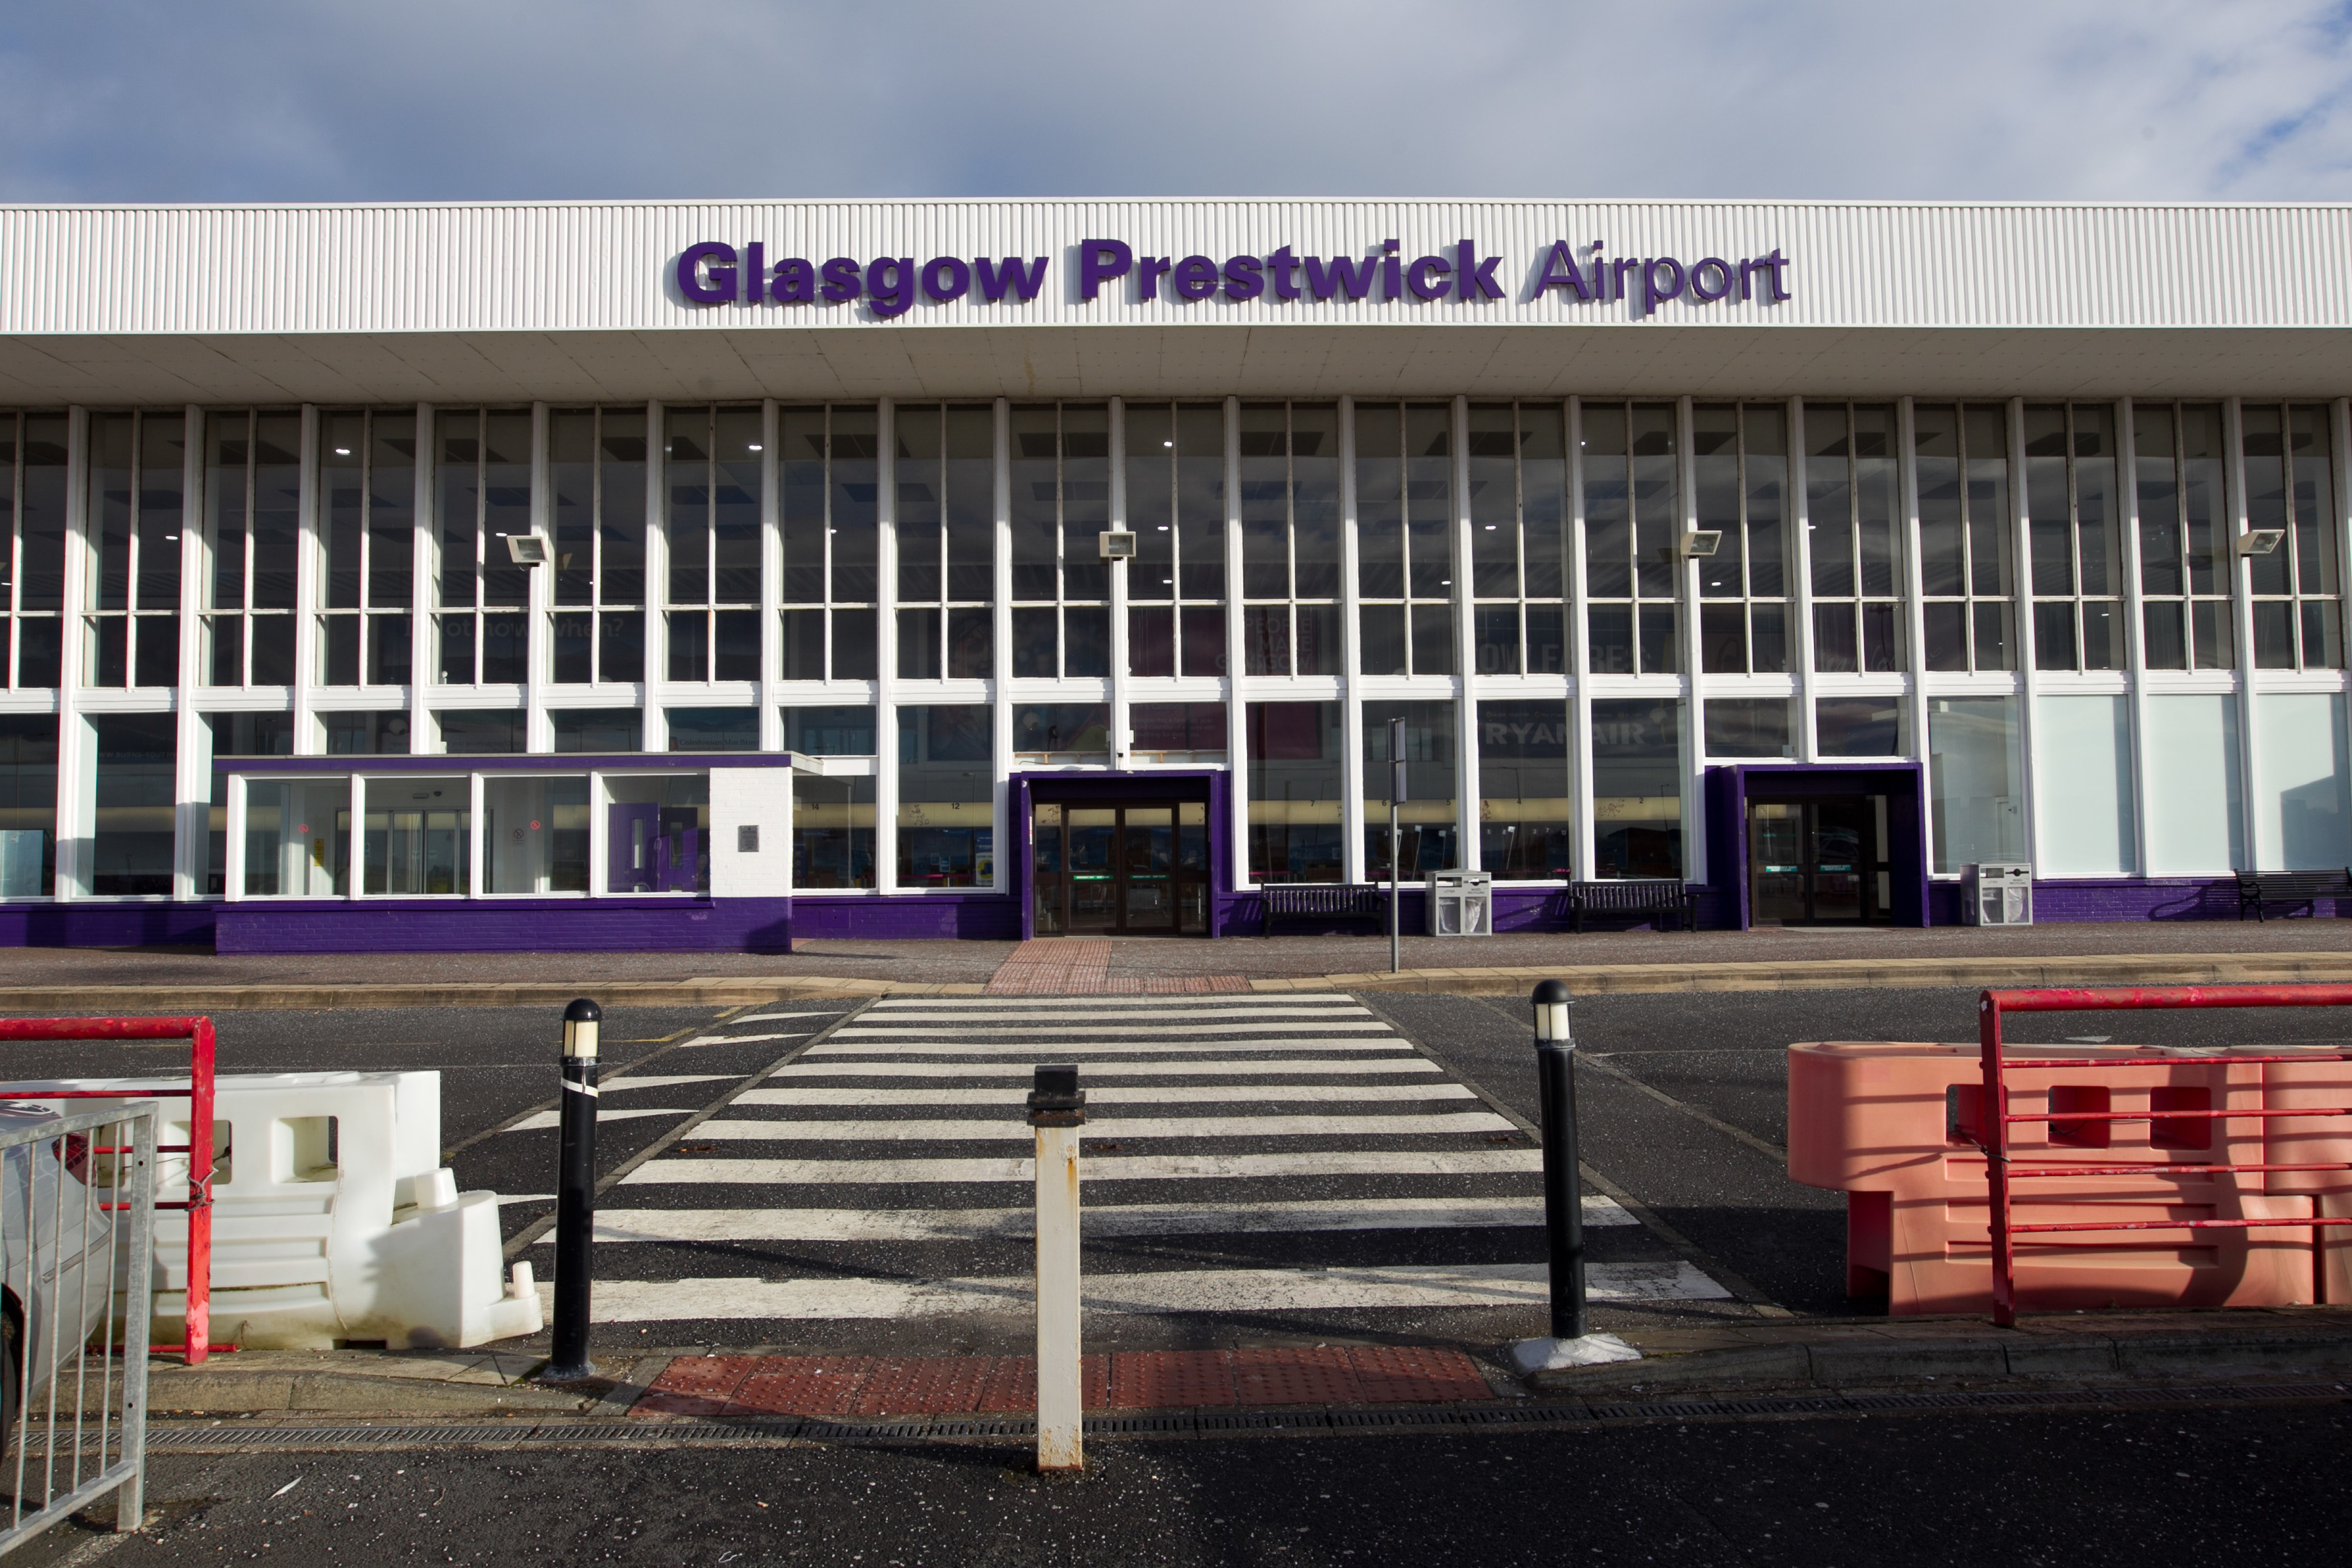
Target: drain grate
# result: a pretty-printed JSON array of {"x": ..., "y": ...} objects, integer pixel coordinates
[{"x": 1534, "y": 1415}]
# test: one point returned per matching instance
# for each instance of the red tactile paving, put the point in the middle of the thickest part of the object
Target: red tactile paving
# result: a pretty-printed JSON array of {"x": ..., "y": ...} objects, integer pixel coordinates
[
  {"x": 1414, "y": 1373},
  {"x": 1068, "y": 966},
  {"x": 1164, "y": 1379},
  {"x": 696, "y": 1386},
  {"x": 1320, "y": 1375},
  {"x": 1153, "y": 1380}
]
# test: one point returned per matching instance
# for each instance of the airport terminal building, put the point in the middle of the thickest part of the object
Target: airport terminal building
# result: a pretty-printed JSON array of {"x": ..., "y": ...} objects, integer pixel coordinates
[{"x": 706, "y": 575}]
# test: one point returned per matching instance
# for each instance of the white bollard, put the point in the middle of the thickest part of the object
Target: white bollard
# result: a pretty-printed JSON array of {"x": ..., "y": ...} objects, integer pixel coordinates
[{"x": 1057, "y": 1110}]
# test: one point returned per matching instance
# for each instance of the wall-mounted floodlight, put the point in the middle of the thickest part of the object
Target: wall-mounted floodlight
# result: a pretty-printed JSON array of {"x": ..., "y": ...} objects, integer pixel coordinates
[
  {"x": 2259, "y": 540},
  {"x": 1699, "y": 543},
  {"x": 1115, "y": 546},
  {"x": 527, "y": 549}
]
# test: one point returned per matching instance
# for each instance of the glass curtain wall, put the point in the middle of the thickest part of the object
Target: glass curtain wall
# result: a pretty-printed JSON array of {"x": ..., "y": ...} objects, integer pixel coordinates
[
  {"x": 712, "y": 464},
  {"x": 1740, "y": 463},
  {"x": 1289, "y": 463},
  {"x": 28, "y": 805},
  {"x": 1853, "y": 507},
  {"x": 946, "y": 478},
  {"x": 2076, "y": 536},
  {"x": 1405, "y": 524},
  {"x": 1975, "y": 782},
  {"x": 1960, "y": 454},
  {"x": 2297, "y": 612},
  {"x": 1060, "y": 466},
  {"x": 131, "y": 845},
  {"x": 596, "y": 475},
  {"x": 253, "y": 513},
  {"x": 831, "y": 474},
  {"x": 137, "y": 489},
  {"x": 1176, "y": 508},
  {"x": 483, "y": 497},
  {"x": 367, "y": 535},
  {"x": 1518, "y": 537},
  {"x": 33, "y": 489},
  {"x": 2184, "y": 536},
  {"x": 1632, "y": 512}
]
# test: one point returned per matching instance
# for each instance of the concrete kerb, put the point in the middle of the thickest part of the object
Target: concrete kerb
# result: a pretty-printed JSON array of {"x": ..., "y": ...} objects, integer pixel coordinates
[
  {"x": 1845, "y": 1356},
  {"x": 1585, "y": 980},
  {"x": 1882, "y": 1352}
]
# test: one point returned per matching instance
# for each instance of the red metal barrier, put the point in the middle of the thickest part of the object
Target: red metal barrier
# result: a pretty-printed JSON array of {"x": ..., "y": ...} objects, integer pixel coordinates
[
  {"x": 198, "y": 1033},
  {"x": 2000, "y": 1170}
]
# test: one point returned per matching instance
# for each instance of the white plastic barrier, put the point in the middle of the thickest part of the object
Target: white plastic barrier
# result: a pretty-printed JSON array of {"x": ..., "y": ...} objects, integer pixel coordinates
[{"x": 333, "y": 1219}]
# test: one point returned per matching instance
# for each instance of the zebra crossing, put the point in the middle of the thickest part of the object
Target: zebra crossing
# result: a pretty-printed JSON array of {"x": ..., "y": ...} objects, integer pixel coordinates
[{"x": 1243, "y": 1155}]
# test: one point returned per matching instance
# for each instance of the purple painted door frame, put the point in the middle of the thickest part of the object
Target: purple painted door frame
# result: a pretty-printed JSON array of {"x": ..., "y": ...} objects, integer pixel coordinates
[
  {"x": 1727, "y": 792},
  {"x": 1023, "y": 792}
]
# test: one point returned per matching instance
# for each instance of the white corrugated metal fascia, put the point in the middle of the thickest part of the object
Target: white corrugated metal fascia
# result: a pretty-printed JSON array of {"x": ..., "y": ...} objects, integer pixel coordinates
[{"x": 572, "y": 266}]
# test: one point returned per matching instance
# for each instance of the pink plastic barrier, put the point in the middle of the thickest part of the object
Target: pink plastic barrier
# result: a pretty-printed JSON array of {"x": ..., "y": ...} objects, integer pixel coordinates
[{"x": 1894, "y": 1126}]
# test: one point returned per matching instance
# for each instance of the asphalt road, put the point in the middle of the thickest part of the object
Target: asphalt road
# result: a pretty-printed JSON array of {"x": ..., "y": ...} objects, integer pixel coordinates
[{"x": 2246, "y": 1484}]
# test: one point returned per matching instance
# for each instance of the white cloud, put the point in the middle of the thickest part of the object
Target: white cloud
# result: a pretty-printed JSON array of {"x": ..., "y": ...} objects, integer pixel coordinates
[{"x": 436, "y": 99}]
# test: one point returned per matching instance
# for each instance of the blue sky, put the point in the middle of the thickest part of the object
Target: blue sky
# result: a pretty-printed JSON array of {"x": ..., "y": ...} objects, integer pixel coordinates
[{"x": 487, "y": 100}]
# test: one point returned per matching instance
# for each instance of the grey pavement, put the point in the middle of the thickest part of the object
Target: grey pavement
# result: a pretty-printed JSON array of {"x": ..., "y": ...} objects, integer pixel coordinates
[{"x": 973, "y": 962}]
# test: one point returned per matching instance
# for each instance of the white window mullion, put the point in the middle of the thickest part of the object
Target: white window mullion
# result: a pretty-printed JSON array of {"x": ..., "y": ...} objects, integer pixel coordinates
[
  {"x": 1351, "y": 686},
  {"x": 654, "y": 721},
  {"x": 1580, "y": 658}
]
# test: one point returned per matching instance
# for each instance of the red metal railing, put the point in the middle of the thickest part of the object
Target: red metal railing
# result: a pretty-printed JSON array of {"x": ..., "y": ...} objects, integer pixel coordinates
[
  {"x": 198, "y": 1033},
  {"x": 2001, "y": 1169}
]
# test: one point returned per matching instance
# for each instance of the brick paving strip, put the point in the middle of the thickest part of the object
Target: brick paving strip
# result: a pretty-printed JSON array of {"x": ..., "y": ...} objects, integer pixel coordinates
[
  {"x": 1069, "y": 966},
  {"x": 845, "y": 1385}
]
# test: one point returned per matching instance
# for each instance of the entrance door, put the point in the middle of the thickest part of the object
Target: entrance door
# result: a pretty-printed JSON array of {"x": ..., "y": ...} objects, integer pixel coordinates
[
  {"x": 1137, "y": 869},
  {"x": 1819, "y": 861}
]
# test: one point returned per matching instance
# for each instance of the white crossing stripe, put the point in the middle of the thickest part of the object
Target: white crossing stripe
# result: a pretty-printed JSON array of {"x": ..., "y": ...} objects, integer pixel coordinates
[
  {"x": 661, "y": 1080},
  {"x": 1288, "y": 1066},
  {"x": 1172, "y": 1014},
  {"x": 1012, "y": 1124},
  {"x": 1098, "y": 1095},
  {"x": 740, "y": 1039},
  {"x": 1348, "y": 1025},
  {"x": 539, "y": 1122},
  {"x": 989, "y": 1003},
  {"x": 773, "y": 1017},
  {"x": 836, "y": 1047},
  {"x": 1112, "y": 1220},
  {"x": 1222, "y": 1290},
  {"x": 1103, "y": 1168}
]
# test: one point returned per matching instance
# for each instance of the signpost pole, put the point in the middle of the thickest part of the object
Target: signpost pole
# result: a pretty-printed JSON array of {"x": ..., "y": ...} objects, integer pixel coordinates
[{"x": 1396, "y": 870}]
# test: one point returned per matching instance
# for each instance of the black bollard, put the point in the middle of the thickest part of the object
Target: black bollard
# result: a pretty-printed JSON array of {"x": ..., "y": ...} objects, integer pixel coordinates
[
  {"x": 575, "y": 1188},
  {"x": 1563, "y": 1194}
]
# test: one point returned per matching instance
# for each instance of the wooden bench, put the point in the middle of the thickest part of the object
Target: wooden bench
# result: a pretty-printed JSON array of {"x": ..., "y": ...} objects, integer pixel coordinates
[
  {"x": 1633, "y": 896},
  {"x": 1324, "y": 901},
  {"x": 2258, "y": 891}
]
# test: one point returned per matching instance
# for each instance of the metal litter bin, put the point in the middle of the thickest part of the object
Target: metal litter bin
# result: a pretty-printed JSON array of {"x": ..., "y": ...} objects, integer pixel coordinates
[{"x": 1460, "y": 903}]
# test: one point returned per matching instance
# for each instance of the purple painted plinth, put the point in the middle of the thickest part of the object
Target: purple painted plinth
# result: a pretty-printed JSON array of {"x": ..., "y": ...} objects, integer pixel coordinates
[
  {"x": 106, "y": 925},
  {"x": 984, "y": 917},
  {"x": 506, "y": 925}
]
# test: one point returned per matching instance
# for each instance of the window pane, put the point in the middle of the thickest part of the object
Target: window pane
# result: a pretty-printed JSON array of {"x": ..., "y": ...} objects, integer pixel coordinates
[
  {"x": 1748, "y": 726},
  {"x": 1525, "y": 819},
  {"x": 2194, "y": 806},
  {"x": 1428, "y": 815},
  {"x": 535, "y": 834},
  {"x": 2303, "y": 817},
  {"x": 1637, "y": 788},
  {"x": 417, "y": 837},
  {"x": 1294, "y": 790},
  {"x": 1975, "y": 772},
  {"x": 946, "y": 798},
  {"x": 1859, "y": 727},
  {"x": 2083, "y": 757},
  {"x": 832, "y": 833}
]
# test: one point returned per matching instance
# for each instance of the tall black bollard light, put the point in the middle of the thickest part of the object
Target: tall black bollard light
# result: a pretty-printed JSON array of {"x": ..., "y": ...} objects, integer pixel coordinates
[
  {"x": 575, "y": 1199},
  {"x": 1572, "y": 1342}
]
